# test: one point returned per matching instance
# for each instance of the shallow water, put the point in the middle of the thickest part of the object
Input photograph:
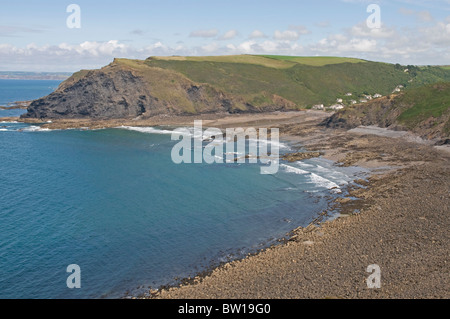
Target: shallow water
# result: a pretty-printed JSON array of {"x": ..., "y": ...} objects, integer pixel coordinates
[
  {"x": 23, "y": 90},
  {"x": 113, "y": 202}
]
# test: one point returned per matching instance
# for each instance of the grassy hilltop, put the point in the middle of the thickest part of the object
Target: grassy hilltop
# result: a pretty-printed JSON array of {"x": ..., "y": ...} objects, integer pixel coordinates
[
  {"x": 240, "y": 83},
  {"x": 305, "y": 81}
]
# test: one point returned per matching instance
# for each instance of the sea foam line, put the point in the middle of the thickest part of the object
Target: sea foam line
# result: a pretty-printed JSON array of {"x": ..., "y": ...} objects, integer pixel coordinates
[
  {"x": 152, "y": 130},
  {"x": 294, "y": 170},
  {"x": 317, "y": 180},
  {"x": 34, "y": 128}
]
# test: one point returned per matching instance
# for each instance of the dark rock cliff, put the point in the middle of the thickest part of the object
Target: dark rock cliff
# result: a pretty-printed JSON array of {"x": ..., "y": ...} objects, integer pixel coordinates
[
  {"x": 98, "y": 94},
  {"x": 119, "y": 93}
]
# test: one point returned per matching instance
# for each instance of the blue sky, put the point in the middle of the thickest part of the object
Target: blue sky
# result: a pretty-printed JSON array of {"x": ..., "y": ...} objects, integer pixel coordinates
[{"x": 34, "y": 35}]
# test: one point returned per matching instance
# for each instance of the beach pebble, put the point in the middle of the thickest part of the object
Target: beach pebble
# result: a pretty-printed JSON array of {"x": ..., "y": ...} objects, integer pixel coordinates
[{"x": 308, "y": 243}]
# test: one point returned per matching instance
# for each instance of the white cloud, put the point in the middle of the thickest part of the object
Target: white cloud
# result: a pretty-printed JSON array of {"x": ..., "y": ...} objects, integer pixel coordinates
[
  {"x": 422, "y": 16},
  {"x": 15, "y": 31},
  {"x": 362, "y": 30},
  {"x": 209, "y": 48},
  {"x": 292, "y": 34},
  {"x": 257, "y": 35},
  {"x": 424, "y": 44},
  {"x": 204, "y": 33},
  {"x": 288, "y": 35},
  {"x": 300, "y": 29},
  {"x": 229, "y": 35}
]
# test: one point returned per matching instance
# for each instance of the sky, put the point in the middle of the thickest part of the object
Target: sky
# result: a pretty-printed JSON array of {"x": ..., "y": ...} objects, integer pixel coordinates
[{"x": 45, "y": 36}]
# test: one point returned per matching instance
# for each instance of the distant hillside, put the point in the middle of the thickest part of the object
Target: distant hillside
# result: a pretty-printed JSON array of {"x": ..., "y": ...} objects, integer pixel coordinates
[
  {"x": 242, "y": 83},
  {"x": 424, "y": 110},
  {"x": 12, "y": 75}
]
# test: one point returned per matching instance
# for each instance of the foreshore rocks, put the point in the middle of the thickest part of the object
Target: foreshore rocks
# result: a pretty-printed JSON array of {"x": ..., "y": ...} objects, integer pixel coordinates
[{"x": 295, "y": 157}]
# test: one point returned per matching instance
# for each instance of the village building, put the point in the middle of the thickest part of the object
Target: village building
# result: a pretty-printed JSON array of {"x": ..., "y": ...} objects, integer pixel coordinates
[
  {"x": 336, "y": 107},
  {"x": 318, "y": 107}
]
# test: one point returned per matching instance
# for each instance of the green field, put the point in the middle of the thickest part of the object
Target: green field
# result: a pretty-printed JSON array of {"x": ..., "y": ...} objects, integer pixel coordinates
[
  {"x": 304, "y": 81},
  {"x": 256, "y": 83},
  {"x": 246, "y": 59},
  {"x": 314, "y": 61},
  {"x": 272, "y": 61}
]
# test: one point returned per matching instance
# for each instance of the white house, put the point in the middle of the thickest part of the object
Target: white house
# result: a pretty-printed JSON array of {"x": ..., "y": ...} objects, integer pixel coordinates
[
  {"x": 353, "y": 102},
  {"x": 348, "y": 94},
  {"x": 318, "y": 107},
  {"x": 339, "y": 100},
  {"x": 363, "y": 101},
  {"x": 376, "y": 96},
  {"x": 336, "y": 107}
]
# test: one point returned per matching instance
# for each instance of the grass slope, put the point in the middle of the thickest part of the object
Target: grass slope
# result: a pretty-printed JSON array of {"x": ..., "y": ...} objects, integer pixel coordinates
[
  {"x": 253, "y": 83},
  {"x": 314, "y": 61},
  {"x": 424, "y": 110},
  {"x": 428, "y": 104},
  {"x": 304, "y": 81}
]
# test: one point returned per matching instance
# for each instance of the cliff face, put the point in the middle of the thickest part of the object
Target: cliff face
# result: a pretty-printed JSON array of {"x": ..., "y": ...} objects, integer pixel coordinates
[
  {"x": 127, "y": 91},
  {"x": 98, "y": 94}
]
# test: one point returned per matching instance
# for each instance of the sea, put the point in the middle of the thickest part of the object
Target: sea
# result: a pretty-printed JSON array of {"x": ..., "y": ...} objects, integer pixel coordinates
[{"x": 114, "y": 203}]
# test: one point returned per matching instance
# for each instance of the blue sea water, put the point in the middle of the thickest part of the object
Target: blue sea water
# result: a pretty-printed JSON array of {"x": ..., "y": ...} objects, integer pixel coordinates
[
  {"x": 113, "y": 202},
  {"x": 23, "y": 90}
]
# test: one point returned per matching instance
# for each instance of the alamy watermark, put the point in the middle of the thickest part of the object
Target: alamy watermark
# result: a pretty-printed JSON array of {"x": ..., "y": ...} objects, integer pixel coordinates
[
  {"x": 374, "y": 20},
  {"x": 227, "y": 148},
  {"x": 374, "y": 280},
  {"x": 74, "y": 279},
  {"x": 74, "y": 19}
]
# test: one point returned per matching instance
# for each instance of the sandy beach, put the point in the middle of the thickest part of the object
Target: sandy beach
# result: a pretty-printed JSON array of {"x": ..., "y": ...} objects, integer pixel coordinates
[{"x": 399, "y": 222}]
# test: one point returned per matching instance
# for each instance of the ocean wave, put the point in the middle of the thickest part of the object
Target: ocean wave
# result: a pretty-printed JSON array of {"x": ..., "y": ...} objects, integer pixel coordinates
[
  {"x": 9, "y": 122},
  {"x": 317, "y": 180},
  {"x": 34, "y": 128},
  {"x": 323, "y": 182},
  {"x": 302, "y": 164},
  {"x": 152, "y": 130},
  {"x": 295, "y": 170},
  {"x": 4, "y": 130},
  {"x": 148, "y": 130},
  {"x": 270, "y": 142}
]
